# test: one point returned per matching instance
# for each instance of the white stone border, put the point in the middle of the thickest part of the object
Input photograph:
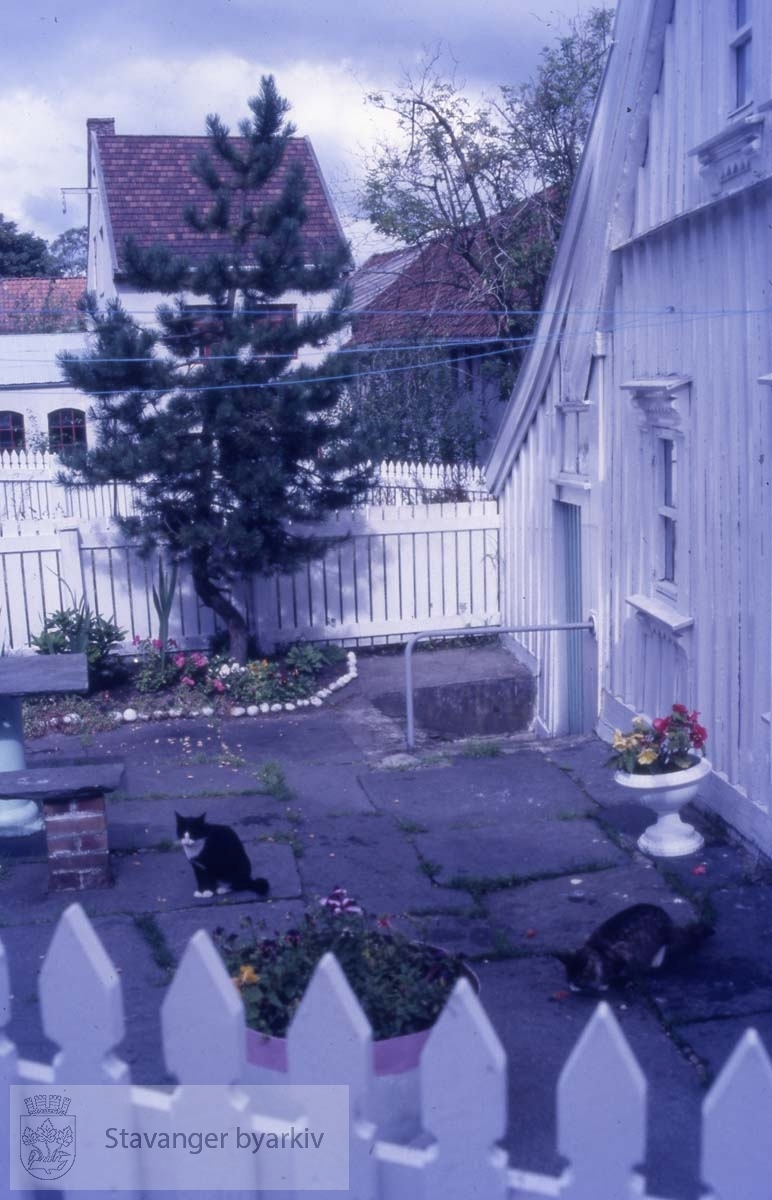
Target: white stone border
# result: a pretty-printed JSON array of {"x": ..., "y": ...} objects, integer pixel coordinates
[{"x": 128, "y": 716}]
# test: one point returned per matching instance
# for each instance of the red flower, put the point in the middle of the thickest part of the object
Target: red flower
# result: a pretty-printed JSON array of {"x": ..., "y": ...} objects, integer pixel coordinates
[
  {"x": 660, "y": 724},
  {"x": 682, "y": 709}
]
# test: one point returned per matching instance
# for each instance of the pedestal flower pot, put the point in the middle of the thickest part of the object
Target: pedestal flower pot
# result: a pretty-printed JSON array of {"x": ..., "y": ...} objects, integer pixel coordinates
[{"x": 670, "y": 836}]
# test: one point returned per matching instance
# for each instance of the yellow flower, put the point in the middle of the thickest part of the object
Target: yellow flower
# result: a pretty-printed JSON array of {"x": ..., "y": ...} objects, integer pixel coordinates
[
  {"x": 246, "y": 975},
  {"x": 620, "y": 741},
  {"x": 647, "y": 756}
]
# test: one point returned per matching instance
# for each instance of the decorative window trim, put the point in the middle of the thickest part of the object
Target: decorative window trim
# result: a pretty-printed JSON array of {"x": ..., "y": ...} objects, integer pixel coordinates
[
  {"x": 656, "y": 399},
  {"x": 726, "y": 159},
  {"x": 651, "y": 609}
]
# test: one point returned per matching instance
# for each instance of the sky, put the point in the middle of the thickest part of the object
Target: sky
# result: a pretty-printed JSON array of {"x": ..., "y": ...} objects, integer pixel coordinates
[{"x": 159, "y": 66}]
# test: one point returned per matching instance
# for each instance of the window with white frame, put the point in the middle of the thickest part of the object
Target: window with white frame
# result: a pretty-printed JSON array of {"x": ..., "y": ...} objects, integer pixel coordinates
[
  {"x": 740, "y": 45},
  {"x": 667, "y": 512},
  {"x": 663, "y": 403}
]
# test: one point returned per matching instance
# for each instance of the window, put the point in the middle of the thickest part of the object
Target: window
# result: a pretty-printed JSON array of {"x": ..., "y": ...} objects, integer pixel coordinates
[
  {"x": 741, "y": 54},
  {"x": 66, "y": 427},
  {"x": 11, "y": 431},
  {"x": 667, "y": 482}
]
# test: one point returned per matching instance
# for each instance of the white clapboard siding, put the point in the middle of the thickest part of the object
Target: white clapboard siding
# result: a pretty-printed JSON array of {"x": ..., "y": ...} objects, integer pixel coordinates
[
  {"x": 395, "y": 571},
  {"x": 454, "y": 1155}
]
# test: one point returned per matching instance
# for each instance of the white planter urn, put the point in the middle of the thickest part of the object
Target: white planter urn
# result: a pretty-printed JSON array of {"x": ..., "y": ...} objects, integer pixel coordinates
[{"x": 670, "y": 836}]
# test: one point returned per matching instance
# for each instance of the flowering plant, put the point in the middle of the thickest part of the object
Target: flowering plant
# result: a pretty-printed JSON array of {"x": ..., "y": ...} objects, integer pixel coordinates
[
  {"x": 401, "y": 985},
  {"x": 662, "y": 745}
]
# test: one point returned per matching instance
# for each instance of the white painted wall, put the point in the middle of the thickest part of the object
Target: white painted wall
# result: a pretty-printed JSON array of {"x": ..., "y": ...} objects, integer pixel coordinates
[{"x": 680, "y": 292}]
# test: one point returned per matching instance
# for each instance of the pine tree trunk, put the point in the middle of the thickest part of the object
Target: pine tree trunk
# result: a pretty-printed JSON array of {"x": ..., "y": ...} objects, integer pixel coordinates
[{"x": 213, "y": 597}]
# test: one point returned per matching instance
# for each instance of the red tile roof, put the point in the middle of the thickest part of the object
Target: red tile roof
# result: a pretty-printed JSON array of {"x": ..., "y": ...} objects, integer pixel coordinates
[
  {"x": 149, "y": 185},
  {"x": 422, "y": 294},
  {"x": 34, "y": 305}
]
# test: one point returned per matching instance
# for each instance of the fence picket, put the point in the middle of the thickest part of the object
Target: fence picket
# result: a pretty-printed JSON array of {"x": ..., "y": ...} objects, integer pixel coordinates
[
  {"x": 202, "y": 1019},
  {"x": 601, "y": 1113},
  {"x": 737, "y": 1120},
  {"x": 330, "y": 1042},
  {"x": 85, "y": 1017},
  {"x": 463, "y": 1045}
]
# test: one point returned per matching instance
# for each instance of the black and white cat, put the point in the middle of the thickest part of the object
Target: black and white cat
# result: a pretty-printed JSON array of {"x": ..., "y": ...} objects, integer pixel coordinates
[
  {"x": 631, "y": 943},
  {"x": 218, "y": 858}
]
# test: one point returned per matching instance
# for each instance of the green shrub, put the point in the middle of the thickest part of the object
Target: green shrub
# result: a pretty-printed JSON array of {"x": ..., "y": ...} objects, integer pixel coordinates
[{"x": 78, "y": 630}]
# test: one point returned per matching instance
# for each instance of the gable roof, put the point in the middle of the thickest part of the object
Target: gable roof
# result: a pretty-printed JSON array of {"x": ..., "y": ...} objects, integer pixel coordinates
[
  {"x": 41, "y": 305},
  {"x": 148, "y": 185},
  {"x": 598, "y": 214},
  {"x": 420, "y": 294}
]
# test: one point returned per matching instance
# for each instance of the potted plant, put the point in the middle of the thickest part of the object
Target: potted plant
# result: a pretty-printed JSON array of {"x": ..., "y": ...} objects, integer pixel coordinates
[
  {"x": 662, "y": 763},
  {"x": 402, "y": 986}
]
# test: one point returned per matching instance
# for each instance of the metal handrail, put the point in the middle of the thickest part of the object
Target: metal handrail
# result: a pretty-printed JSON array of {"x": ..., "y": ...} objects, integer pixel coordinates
[{"x": 478, "y": 631}]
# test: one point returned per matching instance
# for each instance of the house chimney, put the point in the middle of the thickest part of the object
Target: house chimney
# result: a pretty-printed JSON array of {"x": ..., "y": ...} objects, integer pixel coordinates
[{"x": 100, "y": 125}]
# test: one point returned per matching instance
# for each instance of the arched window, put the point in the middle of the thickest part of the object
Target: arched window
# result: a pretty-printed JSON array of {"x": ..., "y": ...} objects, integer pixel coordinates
[
  {"x": 11, "y": 431},
  {"x": 66, "y": 427}
]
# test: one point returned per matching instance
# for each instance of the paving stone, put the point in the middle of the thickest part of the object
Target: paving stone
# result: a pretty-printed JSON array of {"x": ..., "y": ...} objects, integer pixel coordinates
[
  {"x": 458, "y": 934},
  {"x": 381, "y": 870},
  {"x": 559, "y": 914},
  {"x": 501, "y": 792},
  {"x": 143, "y": 882},
  {"x": 731, "y": 974},
  {"x": 143, "y": 824},
  {"x": 534, "y": 848}
]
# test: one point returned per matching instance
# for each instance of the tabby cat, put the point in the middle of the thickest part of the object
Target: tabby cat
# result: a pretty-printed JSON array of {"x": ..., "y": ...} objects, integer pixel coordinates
[{"x": 632, "y": 942}]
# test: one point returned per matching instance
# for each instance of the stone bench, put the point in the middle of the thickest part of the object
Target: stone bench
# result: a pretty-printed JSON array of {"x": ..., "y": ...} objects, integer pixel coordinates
[{"x": 73, "y": 802}]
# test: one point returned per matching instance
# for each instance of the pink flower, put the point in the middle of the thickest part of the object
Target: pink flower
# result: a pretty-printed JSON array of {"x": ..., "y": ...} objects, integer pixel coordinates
[
  {"x": 179, "y": 661},
  {"x": 136, "y": 639},
  {"x": 218, "y": 685},
  {"x": 190, "y": 682},
  {"x": 198, "y": 660},
  {"x": 157, "y": 644}
]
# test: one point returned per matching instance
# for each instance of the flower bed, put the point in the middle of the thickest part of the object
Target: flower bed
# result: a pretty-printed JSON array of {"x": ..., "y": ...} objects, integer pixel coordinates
[{"x": 167, "y": 683}]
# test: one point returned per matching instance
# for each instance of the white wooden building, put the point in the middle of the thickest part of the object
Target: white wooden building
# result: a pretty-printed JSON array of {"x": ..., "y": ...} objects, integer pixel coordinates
[{"x": 633, "y": 464}]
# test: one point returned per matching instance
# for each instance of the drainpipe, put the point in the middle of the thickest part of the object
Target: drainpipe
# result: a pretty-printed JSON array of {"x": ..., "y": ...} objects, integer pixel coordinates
[{"x": 483, "y": 630}]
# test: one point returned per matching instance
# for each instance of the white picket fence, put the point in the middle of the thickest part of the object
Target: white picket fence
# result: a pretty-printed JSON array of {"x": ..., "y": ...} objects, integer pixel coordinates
[
  {"x": 29, "y": 490},
  {"x": 453, "y": 1153},
  {"x": 400, "y": 570}
]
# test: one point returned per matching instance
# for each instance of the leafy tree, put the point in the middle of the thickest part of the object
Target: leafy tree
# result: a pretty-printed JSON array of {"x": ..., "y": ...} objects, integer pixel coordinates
[
  {"x": 409, "y": 409},
  {"x": 491, "y": 178},
  {"x": 68, "y": 253},
  {"x": 21, "y": 254},
  {"x": 235, "y": 444}
]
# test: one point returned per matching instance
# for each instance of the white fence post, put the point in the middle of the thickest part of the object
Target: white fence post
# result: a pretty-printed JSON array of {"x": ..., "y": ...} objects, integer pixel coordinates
[
  {"x": 71, "y": 565},
  {"x": 464, "y": 1056},
  {"x": 601, "y": 1113},
  {"x": 330, "y": 1042},
  {"x": 737, "y": 1125}
]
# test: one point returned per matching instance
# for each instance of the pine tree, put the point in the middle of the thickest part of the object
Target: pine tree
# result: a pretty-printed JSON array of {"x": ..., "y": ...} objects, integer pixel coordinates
[{"x": 235, "y": 447}]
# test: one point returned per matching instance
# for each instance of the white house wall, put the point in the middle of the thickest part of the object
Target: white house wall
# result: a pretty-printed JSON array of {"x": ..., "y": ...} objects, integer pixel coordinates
[
  {"x": 31, "y": 380},
  {"x": 693, "y": 103},
  {"x": 713, "y": 271}
]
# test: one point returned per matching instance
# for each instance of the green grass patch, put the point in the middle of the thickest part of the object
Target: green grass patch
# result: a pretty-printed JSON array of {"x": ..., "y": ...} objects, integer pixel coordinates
[
  {"x": 410, "y": 827},
  {"x": 481, "y": 749},
  {"x": 273, "y": 781},
  {"x": 154, "y": 936}
]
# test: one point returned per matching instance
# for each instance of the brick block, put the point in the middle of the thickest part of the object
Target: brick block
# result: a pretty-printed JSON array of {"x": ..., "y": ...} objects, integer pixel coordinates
[{"x": 66, "y": 881}]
